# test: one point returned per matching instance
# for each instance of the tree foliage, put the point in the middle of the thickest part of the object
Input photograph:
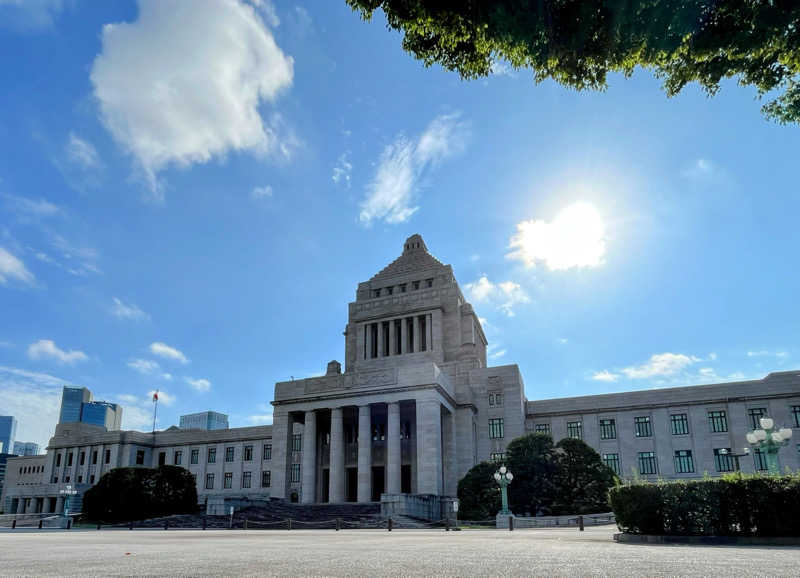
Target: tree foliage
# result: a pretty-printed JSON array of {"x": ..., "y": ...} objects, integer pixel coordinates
[
  {"x": 478, "y": 495},
  {"x": 530, "y": 458},
  {"x": 138, "y": 493},
  {"x": 578, "y": 42},
  {"x": 582, "y": 479}
]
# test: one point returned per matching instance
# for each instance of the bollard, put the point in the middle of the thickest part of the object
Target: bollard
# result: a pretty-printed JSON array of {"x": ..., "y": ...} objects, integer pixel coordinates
[
  {"x": 288, "y": 523},
  {"x": 338, "y": 524},
  {"x": 130, "y": 526},
  {"x": 98, "y": 525},
  {"x": 447, "y": 524},
  {"x": 580, "y": 523},
  {"x": 40, "y": 524},
  {"x": 166, "y": 524},
  {"x": 13, "y": 524},
  {"x": 69, "y": 523},
  {"x": 389, "y": 524},
  {"x": 204, "y": 522},
  {"x": 511, "y": 523},
  {"x": 245, "y": 523}
]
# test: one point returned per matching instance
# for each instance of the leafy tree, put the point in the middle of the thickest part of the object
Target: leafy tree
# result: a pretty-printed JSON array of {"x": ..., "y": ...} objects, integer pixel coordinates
[
  {"x": 578, "y": 42},
  {"x": 478, "y": 494},
  {"x": 530, "y": 458},
  {"x": 582, "y": 480},
  {"x": 138, "y": 493}
]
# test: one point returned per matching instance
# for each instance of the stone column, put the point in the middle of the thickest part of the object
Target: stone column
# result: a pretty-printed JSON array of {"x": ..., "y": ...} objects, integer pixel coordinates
[
  {"x": 369, "y": 340},
  {"x": 416, "y": 333},
  {"x": 309, "y": 465},
  {"x": 392, "y": 341},
  {"x": 336, "y": 478},
  {"x": 364, "y": 453},
  {"x": 429, "y": 447},
  {"x": 60, "y": 505},
  {"x": 31, "y": 507},
  {"x": 449, "y": 476},
  {"x": 393, "y": 455},
  {"x": 403, "y": 335},
  {"x": 281, "y": 438},
  {"x": 429, "y": 331},
  {"x": 20, "y": 505}
]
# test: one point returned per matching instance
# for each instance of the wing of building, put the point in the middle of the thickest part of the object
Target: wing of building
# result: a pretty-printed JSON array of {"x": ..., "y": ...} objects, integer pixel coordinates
[{"x": 415, "y": 407}]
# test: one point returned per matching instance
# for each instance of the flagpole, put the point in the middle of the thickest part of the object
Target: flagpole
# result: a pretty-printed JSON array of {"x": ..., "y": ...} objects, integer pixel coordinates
[{"x": 155, "y": 409}]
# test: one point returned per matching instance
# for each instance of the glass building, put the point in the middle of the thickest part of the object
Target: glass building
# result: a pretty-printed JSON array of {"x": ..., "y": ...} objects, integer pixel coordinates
[
  {"x": 72, "y": 400},
  {"x": 8, "y": 431},
  {"x": 102, "y": 413},
  {"x": 206, "y": 420},
  {"x": 26, "y": 449}
]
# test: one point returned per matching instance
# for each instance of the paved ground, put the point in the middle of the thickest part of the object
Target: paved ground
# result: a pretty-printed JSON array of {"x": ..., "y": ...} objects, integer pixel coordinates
[{"x": 541, "y": 552}]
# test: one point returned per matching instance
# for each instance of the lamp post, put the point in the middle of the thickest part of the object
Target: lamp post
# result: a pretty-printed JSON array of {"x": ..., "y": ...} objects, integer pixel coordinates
[
  {"x": 503, "y": 477},
  {"x": 67, "y": 492},
  {"x": 745, "y": 452},
  {"x": 769, "y": 439}
]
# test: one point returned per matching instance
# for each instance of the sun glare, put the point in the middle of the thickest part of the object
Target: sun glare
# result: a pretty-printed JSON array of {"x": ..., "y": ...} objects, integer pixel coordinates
[{"x": 575, "y": 238}]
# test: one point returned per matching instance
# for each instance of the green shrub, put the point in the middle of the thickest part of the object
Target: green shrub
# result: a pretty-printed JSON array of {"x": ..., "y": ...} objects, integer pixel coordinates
[
  {"x": 138, "y": 493},
  {"x": 478, "y": 494},
  {"x": 736, "y": 505}
]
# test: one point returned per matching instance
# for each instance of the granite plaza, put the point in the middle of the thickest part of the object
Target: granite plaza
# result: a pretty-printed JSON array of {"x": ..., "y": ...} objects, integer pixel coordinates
[{"x": 414, "y": 409}]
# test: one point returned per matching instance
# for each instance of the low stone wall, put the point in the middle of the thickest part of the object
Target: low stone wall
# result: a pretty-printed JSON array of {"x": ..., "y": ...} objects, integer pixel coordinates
[
  {"x": 421, "y": 506},
  {"x": 556, "y": 521}
]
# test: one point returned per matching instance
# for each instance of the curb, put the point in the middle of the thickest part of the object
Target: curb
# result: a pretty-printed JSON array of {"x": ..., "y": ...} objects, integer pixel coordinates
[{"x": 708, "y": 540}]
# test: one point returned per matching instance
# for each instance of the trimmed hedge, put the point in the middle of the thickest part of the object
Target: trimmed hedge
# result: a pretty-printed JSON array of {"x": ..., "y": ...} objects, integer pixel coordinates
[
  {"x": 735, "y": 505},
  {"x": 125, "y": 494}
]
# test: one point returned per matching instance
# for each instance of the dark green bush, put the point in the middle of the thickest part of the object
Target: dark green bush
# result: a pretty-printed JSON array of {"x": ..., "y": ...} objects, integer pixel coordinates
[
  {"x": 138, "y": 493},
  {"x": 478, "y": 494},
  {"x": 736, "y": 505}
]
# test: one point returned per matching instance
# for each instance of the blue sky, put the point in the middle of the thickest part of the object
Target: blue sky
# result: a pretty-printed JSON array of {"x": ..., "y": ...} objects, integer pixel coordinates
[{"x": 189, "y": 197}]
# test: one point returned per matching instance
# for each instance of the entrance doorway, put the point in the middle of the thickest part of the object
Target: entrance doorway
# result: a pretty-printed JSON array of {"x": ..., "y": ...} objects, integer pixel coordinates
[
  {"x": 326, "y": 485},
  {"x": 405, "y": 479},
  {"x": 351, "y": 485},
  {"x": 378, "y": 481}
]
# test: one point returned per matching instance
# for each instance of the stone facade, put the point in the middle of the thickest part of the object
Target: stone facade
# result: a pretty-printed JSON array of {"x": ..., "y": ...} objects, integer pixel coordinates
[{"x": 414, "y": 409}]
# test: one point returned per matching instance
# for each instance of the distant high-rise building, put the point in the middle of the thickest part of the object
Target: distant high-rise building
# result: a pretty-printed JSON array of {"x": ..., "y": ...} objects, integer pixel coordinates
[
  {"x": 8, "y": 431},
  {"x": 205, "y": 420},
  {"x": 102, "y": 413},
  {"x": 72, "y": 400},
  {"x": 26, "y": 449},
  {"x": 77, "y": 406}
]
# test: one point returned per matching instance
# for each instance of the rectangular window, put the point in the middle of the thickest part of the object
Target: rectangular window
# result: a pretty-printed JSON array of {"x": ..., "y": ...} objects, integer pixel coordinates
[
  {"x": 796, "y": 415},
  {"x": 542, "y": 428},
  {"x": 177, "y": 458},
  {"x": 575, "y": 430},
  {"x": 94, "y": 457},
  {"x": 58, "y": 460},
  {"x": 80, "y": 479},
  {"x": 108, "y": 456},
  {"x": 66, "y": 479},
  {"x": 194, "y": 457},
  {"x": 229, "y": 454},
  {"x": 410, "y": 334},
  {"x": 403, "y": 287},
  {"x": 376, "y": 292},
  {"x": 684, "y": 464},
  {"x": 679, "y": 424},
  {"x": 497, "y": 456},
  {"x": 389, "y": 290},
  {"x": 69, "y": 459},
  {"x": 643, "y": 426},
  {"x": 397, "y": 325},
  {"x": 647, "y": 463},
  {"x": 295, "y": 473},
  {"x": 91, "y": 479},
  {"x": 755, "y": 414},
  {"x": 209, "y": 481},
  {"x": 723, "y": 462},
  {"x": 608, "y": 429},
  {"x": 496, "y": 428},
  {"x": 415, "y": 285},
  {"x": 760, "y": 460},
  {"x": 266, "y": 478},
  {"x": 428, "y": 283},
  {"x": 423, "y": 333},
  {"x": 612, "y": 461},
  {"x": 227, "y": 482},
  {"x": 162, "y": 458},
  {"x": 212, "y": 455},
  {"x": 248, "y": 453},
  {"x": 718, "y": 421},
  {"x": 267, "y": 455},
  {"x": 297, "y": 443},
  {"x": 55, "y": 479},
  {"x": 139, "y": 457},
  {"x": 83, "y": 458},
  {"x": 246, "y": 479}
]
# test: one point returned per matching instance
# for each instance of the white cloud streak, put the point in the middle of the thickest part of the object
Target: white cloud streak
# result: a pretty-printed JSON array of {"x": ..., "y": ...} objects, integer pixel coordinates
[
  {"x": 129, "y": 311},
  {"x": 45, "y": 349},
  {"x": 163, "y": 350},
  {"x": 504, "y": 296},
  {"x": 13, "y": 269},
  {"x": 198, "y": 384}
]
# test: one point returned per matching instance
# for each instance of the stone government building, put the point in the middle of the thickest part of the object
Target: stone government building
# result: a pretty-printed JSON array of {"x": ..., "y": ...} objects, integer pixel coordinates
[{"x": 415, "y": 408}]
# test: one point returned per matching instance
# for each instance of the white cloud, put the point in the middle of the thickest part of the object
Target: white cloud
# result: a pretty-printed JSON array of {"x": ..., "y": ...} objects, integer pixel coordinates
[
  {"x": 163, "y": 397},
  {"x": 261, "y": 419},
  {"x": 474, "y": 257},
  {"x": 765, "y": 353},
  {"x": 27, "y": 208},
  {"x": 82, "y": 152},
  {"x": 34, "y": 399},
  {"x": 163, "y": 350},
  {"x": 497, "y": 354},
  {"x": 605, "y": 375},
  {"x": 29, "y": 15},
  {"x": 342, "y": 170},
  {"x": 198, "y": 384},
  {"x": 47, "y": 349},
  {"x": 13, "y": 269},
  {"x": 562, "y": 340},
  {"x": 575, "y": 238},
  {"x": 268, "y": 11},
  {"x": 127, "y": 311},
  {"x": 505, "y": 296},
  {"x": 184, "y": 82},
  {"x": 78, "y": 260},
  {"x": 391, "y": 193},
  {"x": 660, "y": 364},
  {"x": 264, "y": 192},
  {"x": 147, "y": 367}
]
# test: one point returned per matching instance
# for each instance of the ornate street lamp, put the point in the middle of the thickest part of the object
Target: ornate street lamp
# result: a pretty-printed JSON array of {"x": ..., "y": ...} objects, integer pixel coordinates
[
  {"x": 745, "y": 452},
  {"x": 503, "y": 477},
  {"x": 769, "y": 439},
  {"x": 67, "y": 492}
]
